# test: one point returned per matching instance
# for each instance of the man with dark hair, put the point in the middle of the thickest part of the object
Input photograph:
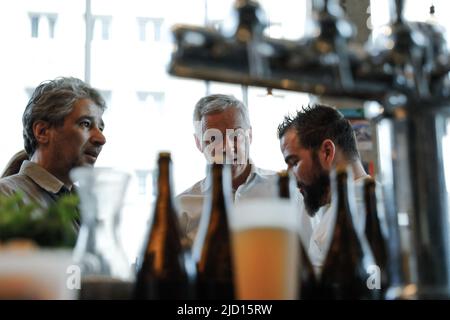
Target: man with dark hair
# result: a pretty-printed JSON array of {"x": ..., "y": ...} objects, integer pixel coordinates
[
  {"x": 62, "y": 129},
  {"x": 314, "y": 141}
]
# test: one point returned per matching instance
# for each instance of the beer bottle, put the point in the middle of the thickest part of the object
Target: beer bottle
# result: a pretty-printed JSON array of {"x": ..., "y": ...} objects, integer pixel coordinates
[
  {"x": 308, "y": 281},
  {"x": 212, "y": 245},
  {"x": 162, "y": 271},
  {"x": 374, "y": 232},
  {"x": 347, "y": 269}
]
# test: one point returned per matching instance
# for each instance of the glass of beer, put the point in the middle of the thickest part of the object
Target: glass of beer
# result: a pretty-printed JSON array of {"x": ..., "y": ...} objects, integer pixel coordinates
[{"x": 265, "y": 242}]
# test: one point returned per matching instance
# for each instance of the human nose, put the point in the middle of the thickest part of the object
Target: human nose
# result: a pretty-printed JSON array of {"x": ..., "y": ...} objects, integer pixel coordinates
[
  {"x": 229, "y": 144},
  {"x": 97, "y": 137},
  {"x": 296, "y": 170}
]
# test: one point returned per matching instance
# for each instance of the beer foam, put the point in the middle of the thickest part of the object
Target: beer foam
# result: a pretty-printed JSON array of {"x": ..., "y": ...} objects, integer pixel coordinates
[{"x": 263, "y": 213}]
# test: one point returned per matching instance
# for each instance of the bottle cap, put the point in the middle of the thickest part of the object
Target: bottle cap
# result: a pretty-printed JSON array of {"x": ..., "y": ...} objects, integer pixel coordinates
[{"x": 164, "y": 154}]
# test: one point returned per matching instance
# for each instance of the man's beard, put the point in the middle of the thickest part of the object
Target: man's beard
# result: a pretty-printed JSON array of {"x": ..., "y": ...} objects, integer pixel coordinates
[{"x": 315, "y": 194}]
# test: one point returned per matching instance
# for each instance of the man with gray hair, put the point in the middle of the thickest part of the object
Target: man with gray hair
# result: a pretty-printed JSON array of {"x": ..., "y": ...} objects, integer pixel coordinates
[
  {"x": 62, "y": 129},
  {"x": 223, "y": 134}
]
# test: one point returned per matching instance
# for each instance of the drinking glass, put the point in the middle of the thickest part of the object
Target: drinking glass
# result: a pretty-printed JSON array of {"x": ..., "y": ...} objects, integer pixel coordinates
[{"x": 266, "y": 242}]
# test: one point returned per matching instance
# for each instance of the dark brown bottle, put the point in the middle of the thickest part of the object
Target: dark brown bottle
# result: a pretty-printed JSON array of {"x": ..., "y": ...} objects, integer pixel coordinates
[
  {"x": 212, "y": 246},
  {"x": 349, "y": 261},
  {"x": 162, "y": 271},
  {"x": 308, "y": 281},
  {"x": 374, "y": 232}
]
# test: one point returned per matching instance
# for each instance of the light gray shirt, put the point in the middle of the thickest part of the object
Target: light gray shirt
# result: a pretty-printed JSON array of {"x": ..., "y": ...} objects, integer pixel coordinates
[{"x": 36, "y": 183}]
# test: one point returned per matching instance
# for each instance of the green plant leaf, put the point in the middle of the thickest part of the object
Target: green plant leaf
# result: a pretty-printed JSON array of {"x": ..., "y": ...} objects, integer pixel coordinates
[{"x": 52, "y": 227}]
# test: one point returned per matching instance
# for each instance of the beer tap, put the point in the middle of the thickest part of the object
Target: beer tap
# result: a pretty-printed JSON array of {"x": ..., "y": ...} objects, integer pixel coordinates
[
  {"x": 251, "y": 22},
  {"x": 414, "y": 59},
  {"x": 329, "y": 43},
  {"x": 400, "y": 55},
  {"x": 406, "y": 68},
  {"x": 237, "y": 56}
]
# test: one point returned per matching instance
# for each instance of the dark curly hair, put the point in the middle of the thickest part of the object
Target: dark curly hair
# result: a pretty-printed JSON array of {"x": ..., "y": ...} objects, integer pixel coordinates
[{"x": 315, "y": 123}]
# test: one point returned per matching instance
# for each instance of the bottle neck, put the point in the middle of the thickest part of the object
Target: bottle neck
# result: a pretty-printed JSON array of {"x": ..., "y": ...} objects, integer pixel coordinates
[
  {"x": 218, "y": 192},
  {"x": 164, "y": 193},
  {"x": 283, "y": 186},
  {"x": 372, "y": 221},
  {"x": 369, "y": 196},
  {"x": 164, "y": 190},
  {"x": 342, "y": 196}
]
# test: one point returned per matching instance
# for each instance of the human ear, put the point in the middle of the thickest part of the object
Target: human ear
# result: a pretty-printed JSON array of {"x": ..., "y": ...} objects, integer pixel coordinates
[
  {"x": 41, "y": 131},
  {"x": 327, "y": 153}
]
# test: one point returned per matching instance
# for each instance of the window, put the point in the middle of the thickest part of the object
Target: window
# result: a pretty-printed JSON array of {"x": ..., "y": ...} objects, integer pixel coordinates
[
  {"x": 101, "y": 27},
  {"x": 43, "y": 25},
  {"x": 34, "y": 25},
  {"x": 149, "y": 98},
  {"x": 142, "y": 176},
  {"x": 149, "y": 29},
  {"x": 51, "y": 24}
]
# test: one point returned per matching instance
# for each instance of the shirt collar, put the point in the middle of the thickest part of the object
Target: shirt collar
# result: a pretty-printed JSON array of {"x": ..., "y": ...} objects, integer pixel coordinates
[
  {"x": 42, "y": 177},
  {"x": 205, "y": 184}
]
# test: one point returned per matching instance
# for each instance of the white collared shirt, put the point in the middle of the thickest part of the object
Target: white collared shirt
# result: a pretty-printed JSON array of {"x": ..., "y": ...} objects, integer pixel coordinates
[{"x": 257, "y": 184}]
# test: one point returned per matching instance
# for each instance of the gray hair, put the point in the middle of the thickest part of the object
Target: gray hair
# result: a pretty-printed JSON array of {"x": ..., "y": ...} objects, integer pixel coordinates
[
  {"x": 216, "y": 103},
  {"x": 52, "y": 101}
]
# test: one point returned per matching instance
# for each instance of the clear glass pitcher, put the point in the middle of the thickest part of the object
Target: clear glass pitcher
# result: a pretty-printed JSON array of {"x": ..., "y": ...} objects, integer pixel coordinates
[{"x": 98, "y": 251}]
